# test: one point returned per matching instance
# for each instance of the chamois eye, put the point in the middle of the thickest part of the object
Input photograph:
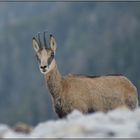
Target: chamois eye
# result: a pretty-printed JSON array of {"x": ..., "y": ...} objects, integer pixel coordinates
[{"x": 52, "y": 54}]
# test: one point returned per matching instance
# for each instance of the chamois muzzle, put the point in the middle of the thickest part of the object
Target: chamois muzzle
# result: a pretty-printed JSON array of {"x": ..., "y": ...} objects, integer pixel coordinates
[{"x": 43, "y": 69}]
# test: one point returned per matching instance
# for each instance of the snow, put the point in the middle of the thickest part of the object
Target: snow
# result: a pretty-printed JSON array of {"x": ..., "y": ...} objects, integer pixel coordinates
[{"x": 117, "y": 123}]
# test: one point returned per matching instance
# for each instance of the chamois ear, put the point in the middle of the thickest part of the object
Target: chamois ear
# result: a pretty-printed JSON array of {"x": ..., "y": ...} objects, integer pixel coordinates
[
  {"x": 35, "y": 44},
  {"x": 53, "y": 43}
]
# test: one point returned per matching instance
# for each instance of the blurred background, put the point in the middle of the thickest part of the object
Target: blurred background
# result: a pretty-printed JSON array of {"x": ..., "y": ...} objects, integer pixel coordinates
[{"x": 95, "y": 38}]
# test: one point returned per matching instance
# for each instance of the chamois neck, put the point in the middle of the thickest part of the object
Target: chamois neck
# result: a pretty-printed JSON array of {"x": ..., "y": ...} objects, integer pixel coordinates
[{"x": 54, "y": 80}]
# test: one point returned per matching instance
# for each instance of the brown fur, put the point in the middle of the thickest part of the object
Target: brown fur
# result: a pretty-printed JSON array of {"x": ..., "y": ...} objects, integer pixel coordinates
[
  {"x": 84, "y": 93},
  {"x": 87, "y": 94}
]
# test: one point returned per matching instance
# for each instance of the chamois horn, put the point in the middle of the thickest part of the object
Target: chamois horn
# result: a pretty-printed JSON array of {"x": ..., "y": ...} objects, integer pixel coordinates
[
  {"x": 39, "y": 41},
  {"x": 45, "y": 43}
]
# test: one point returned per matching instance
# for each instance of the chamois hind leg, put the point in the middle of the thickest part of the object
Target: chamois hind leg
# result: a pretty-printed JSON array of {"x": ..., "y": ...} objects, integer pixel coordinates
[{"x": 131, "y": 102}]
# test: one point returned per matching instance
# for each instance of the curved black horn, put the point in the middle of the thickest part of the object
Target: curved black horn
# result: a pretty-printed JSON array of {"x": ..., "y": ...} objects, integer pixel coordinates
[
  {"x": 39, "y": 39},
  {"x": 45, "y": 43}
]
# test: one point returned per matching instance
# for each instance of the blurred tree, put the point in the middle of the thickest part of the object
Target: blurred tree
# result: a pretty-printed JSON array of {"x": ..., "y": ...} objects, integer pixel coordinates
[{"x": 96, "y": 38}]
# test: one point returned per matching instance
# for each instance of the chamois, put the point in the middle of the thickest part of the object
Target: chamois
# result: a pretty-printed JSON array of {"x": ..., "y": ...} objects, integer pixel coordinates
[{"x": 84, "y": 93}]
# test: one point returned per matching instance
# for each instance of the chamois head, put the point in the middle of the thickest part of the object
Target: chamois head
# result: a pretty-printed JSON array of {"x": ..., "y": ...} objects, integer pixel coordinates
[{"x": 45, "y": 54}]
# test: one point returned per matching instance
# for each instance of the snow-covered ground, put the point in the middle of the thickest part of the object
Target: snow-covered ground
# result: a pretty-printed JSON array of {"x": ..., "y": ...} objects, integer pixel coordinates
[{"x": 116, "y": 123}]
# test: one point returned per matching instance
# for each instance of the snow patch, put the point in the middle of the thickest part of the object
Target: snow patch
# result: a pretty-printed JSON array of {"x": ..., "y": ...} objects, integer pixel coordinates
[{"x": 117, "y": 123}]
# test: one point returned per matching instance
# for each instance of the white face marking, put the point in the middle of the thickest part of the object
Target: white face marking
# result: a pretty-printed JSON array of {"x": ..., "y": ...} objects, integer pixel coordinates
[
  {"x": 49, "y": 68},
  {"x": 45, "y": 56},
  {"x": 46, "y": 60}
]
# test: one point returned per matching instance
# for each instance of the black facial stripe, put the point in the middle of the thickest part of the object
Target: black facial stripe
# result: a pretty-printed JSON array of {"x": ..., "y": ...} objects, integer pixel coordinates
[
  {"x": 38, "y": 58},
  {"x": 50, "y": 59}
]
